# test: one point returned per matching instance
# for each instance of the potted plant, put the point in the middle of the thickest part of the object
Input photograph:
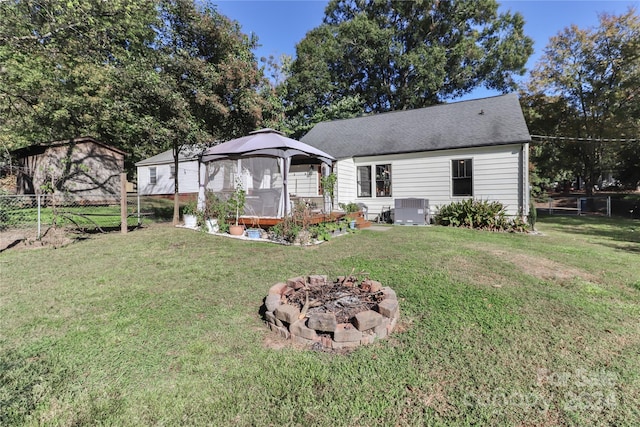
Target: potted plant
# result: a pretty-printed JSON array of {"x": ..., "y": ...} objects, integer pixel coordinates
[
  {"x": 189, "y": 214},
  {"x": 215, "y": 211},
  {"x": 236, "y": 205},
  {"x": 255, "y": 232},
  {"x": 353, "y": 212}
]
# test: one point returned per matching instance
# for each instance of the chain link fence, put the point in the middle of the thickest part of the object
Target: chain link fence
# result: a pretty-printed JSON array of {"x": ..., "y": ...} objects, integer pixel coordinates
[
  {"x": 598, "y": 205},
  {"x": 33, "y": 215}
]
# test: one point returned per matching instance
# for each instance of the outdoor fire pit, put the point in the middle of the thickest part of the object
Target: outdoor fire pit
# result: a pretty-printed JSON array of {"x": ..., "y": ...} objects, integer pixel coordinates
[{"x": 345, "y": 313}]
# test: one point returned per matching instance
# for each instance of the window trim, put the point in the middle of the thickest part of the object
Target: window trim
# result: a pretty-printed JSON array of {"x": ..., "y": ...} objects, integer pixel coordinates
[
  {"x": 454, "y": 163},
  {"x": 153, "y": 175},
  {"x": 373, "y": 181},
  {"x": 390, "y": 181},
  {"x": 359, "y": 182}
]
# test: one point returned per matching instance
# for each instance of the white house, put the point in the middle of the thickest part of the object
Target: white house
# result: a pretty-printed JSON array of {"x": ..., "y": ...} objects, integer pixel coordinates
[
  {"x": 444, "y": 153},
  {"x": 156, "y": 174}
]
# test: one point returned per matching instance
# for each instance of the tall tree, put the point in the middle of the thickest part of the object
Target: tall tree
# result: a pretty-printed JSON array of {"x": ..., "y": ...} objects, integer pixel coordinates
[
  {"x": 57, "y": 61},
  {"x": 587, "y": 85},
  {"x": 406, "y": 54},
  {"x": 211, "y": 76},
  {"x": 144, "y": 76}
]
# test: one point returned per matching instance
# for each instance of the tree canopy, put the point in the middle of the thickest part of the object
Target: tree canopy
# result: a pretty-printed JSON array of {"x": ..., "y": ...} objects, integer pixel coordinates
[
  {"x": 392, "y": 55},
  {"x": 587, "y": 85},
  {"x": 142, "y": 75}
]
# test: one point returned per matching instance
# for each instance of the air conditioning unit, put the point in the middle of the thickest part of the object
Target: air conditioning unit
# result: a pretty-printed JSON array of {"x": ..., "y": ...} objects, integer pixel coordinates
[{"x": 411, "y": 212}]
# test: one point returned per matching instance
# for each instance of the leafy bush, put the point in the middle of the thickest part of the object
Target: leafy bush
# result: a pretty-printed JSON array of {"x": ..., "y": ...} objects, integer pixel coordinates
[
  {"x": 349, "y": 207},
  {"x": 480, "y": 214}
]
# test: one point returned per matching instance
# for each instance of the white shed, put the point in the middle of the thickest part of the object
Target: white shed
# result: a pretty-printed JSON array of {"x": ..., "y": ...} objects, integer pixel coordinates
[
  {"x": 444, "y": 153},
  {"x": 156, "y": 174}
]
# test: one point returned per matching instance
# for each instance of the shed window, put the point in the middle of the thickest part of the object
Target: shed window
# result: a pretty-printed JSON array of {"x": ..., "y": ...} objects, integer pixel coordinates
[
  {"x": 462, "y": 177},
  {"x": 364, "y": 181},
  {"x": 152, "y": 176},
  {"x": 172, "y": 171}
]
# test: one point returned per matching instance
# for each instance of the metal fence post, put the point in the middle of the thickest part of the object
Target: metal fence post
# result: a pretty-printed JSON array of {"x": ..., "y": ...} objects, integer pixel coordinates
[
  {"x": 609, "y": 206},
  {"x": 123, "y": 203},
  {"x": 579, "y": 206},
  {"x": 138, "y": 198},
  {"x": 38, "y": 202}
]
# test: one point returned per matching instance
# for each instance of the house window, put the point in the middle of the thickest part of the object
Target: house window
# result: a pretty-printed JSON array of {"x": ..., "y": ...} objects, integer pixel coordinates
[
  {"x": 383, "y": 180},
  {"x": 172, "y": 171},
  {"x": 364, "y": 181},
  {"x": 462, "y": 174},
  {"x": 152, "y": 176}
]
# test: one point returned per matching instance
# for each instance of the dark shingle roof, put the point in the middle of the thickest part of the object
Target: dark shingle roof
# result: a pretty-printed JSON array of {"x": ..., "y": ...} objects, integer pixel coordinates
[{"x": 482, "y": 122}]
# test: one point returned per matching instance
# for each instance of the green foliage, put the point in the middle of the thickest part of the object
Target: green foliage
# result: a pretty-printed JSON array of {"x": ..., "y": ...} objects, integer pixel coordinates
[
  {"x": 237, "y": 200},
  {"x": 144, "y": 76},
  {"x": 480, "y": 214},
  {"x": 328, "y": 183},
  {"x": 190, "y": 208},
  {"x": 217, "y": 207},
  {"x": 400, "y": 55},
  {"x": 350, "y": 207},
  {"x": 581, "y": 88}
]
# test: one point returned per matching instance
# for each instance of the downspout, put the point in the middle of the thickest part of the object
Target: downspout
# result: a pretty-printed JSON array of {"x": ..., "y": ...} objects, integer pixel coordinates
[{"x": 525, "y": 196}]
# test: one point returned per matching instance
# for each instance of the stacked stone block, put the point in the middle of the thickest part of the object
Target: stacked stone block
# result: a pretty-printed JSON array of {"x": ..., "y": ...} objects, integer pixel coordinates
[{"x": 322, "y": 328}]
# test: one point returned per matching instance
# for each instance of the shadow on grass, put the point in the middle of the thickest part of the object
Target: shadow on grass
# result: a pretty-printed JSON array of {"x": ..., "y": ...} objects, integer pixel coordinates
[{"x": 621, "y": 230}]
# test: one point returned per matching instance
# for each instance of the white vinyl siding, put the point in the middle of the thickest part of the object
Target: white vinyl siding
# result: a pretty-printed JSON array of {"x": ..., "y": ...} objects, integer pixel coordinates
[
  {"x": 496, "y": 177},
  {"x": 164, "y": 182},
  {"x": 304, "y": 180},
  {"x": 346, "y": 184}
]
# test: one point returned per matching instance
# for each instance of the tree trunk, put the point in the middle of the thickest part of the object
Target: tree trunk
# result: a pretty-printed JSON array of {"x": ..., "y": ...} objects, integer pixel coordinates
[{"x": 176, "y": 196}]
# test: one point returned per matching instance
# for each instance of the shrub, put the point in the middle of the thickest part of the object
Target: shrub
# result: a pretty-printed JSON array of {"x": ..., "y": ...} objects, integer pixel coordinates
[{"x": 480, "y": 214}]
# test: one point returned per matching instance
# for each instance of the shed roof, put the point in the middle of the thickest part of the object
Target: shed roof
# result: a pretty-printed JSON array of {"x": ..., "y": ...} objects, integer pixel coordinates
[
  {"x": 490, "y": 121},
  {"x": 39, "y": 148},
  {"x": 186, "y": 154}
]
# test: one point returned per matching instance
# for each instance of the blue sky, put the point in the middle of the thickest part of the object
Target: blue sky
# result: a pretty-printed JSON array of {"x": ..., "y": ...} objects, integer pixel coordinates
[{"x": 280, "y": 24}]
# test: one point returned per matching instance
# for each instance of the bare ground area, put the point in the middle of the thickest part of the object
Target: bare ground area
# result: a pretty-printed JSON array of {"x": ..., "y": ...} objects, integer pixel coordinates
[
  {"x": 19, "y": 239},
  {"x": 538, "y": 267},
  {"x": 543, "y": 268}
]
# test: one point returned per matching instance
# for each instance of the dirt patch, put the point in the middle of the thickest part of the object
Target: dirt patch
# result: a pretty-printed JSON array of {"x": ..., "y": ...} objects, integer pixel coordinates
[
  {"x": 543, "y": 268},
  {"x": 16, "y": 239},
  {"x": 462, "y": 269}
]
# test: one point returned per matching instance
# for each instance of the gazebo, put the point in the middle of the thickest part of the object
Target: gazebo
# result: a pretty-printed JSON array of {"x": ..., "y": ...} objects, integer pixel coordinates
[{"x": 261, "y": 163}]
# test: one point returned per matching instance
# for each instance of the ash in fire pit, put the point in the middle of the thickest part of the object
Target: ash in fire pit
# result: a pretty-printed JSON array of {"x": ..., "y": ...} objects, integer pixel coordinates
[{"x": 341, "y": 314}]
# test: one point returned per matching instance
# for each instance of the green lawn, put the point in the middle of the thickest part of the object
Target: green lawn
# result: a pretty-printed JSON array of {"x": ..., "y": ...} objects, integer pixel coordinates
[{"x": 161, "y": 327}]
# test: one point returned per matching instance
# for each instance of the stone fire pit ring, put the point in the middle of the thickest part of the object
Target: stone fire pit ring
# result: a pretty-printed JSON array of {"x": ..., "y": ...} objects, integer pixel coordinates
[{"x": 342, "y": 314}]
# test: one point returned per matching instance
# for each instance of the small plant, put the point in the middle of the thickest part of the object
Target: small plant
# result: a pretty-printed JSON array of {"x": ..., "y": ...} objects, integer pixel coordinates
[
  {"x": 216, "y": 207},
  {"x": 190, "y": 208},
  {"x": 328, "y": 183},
  {"x": 237, "y": 200},
  {"x": 287, "y": 230},
  {"x": 349, "y": 207}
]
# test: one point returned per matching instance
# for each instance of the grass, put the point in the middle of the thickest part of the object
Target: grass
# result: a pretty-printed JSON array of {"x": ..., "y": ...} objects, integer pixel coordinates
[{"x": 161, "y": 327}]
